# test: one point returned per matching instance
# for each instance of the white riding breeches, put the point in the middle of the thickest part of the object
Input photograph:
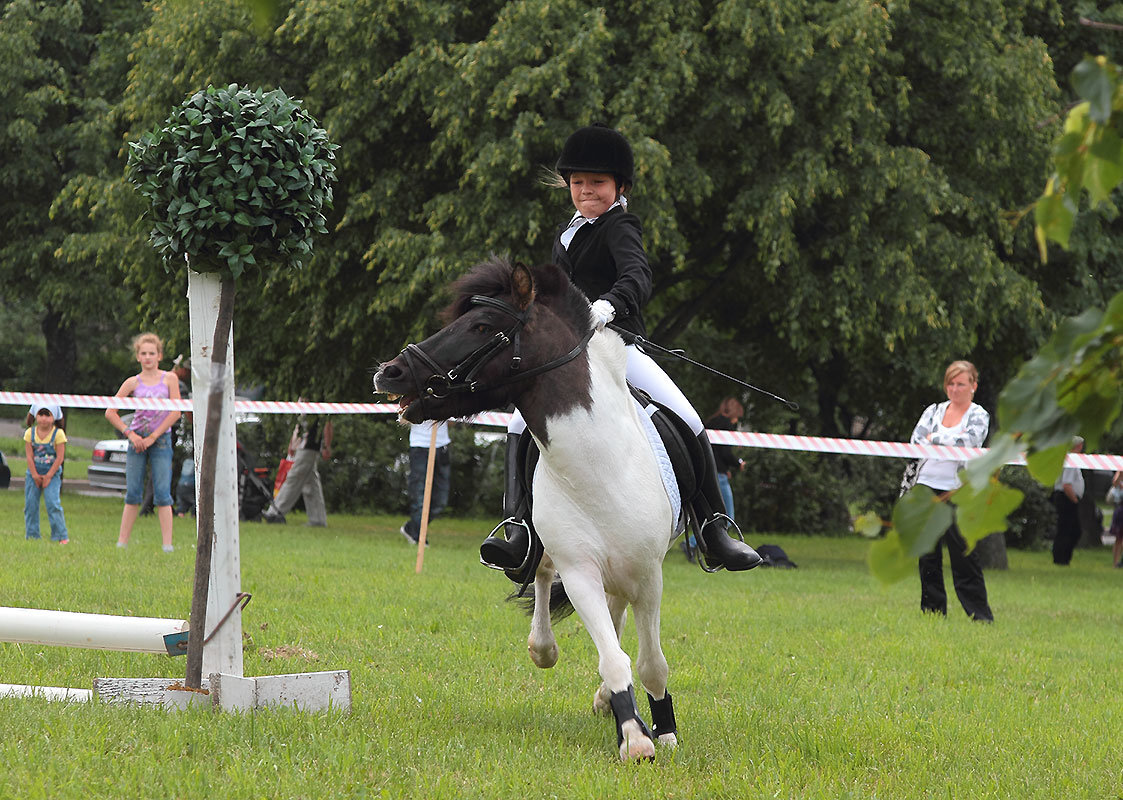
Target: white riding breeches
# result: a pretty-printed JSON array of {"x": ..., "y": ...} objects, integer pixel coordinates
[{"x": 645, "y": 374}]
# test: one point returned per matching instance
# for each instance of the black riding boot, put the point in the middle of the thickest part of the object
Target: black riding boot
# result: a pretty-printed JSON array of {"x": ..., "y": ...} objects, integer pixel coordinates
[
  {"x": 509, "y": 553},
  {"x": 719, "y": 549}
]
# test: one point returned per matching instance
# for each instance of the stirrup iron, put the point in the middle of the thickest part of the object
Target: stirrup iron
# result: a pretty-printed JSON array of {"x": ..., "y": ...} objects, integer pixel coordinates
[
  {"x": 700, "y": 542},
  {"x": 529, "y": 540}
]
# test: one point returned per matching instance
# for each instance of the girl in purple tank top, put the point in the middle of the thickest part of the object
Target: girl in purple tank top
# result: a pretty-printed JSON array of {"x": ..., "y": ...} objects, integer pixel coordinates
[
  {"x": 150, "y": 438},
  {"x": 146, "y": 420}
]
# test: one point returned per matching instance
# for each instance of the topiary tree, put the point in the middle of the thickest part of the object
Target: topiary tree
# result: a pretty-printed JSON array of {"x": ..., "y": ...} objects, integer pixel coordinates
[{"x": 238, "y": 181}]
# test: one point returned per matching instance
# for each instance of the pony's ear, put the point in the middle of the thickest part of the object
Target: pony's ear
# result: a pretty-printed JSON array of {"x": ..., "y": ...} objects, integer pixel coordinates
[{"x": 522, "y": 286}]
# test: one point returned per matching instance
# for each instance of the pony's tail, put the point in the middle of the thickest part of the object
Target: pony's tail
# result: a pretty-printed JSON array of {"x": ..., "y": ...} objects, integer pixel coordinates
[{"x": 560, "y": 606}]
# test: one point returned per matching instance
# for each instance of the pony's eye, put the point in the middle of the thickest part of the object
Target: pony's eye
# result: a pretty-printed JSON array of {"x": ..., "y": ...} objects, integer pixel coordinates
[{"x": 482, "y": 327}]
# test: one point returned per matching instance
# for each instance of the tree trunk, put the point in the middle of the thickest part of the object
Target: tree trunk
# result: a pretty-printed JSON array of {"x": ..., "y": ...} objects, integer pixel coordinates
[
  {"x": 205, "y": 516},
  {"x": 992, "y": 552},
  {"x": 62, "y": 354}
]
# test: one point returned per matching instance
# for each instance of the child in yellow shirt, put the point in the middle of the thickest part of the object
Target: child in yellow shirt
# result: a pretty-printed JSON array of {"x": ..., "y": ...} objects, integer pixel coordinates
[{"x": 45, "y": 447}]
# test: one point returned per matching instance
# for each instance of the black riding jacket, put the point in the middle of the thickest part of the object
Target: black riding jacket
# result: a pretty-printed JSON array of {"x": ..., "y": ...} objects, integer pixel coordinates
[{"x": 606, "y": 260}]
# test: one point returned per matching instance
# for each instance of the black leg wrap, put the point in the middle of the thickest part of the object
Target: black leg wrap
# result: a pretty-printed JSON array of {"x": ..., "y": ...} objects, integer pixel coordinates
[
  {"x": 662, "y": 715},
  {"x": 624, "y": 708}
]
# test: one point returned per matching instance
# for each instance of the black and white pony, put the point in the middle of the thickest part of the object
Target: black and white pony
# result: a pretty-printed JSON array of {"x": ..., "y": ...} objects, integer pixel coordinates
[{"x": 601, "y": 509}]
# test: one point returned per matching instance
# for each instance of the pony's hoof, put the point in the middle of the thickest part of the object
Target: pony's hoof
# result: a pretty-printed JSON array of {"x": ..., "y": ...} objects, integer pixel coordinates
[
  {"x": 668, "y": 740},
  {"x": 543, "y": 657},
  {"x": 602, "y": 701},
  {"x": 636, "y": 746}
]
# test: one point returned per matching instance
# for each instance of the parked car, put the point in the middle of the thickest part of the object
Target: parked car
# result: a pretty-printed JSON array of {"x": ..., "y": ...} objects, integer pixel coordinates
[{"x": 107, "y": 468}]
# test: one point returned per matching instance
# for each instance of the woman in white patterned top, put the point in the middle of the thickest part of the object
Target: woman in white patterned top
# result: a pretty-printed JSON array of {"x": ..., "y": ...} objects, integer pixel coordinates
[{"x": 958, "y": 422}]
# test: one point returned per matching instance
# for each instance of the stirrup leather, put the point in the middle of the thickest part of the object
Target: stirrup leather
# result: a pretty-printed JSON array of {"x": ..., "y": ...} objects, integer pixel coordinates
[{"x": 511, "y": 521}]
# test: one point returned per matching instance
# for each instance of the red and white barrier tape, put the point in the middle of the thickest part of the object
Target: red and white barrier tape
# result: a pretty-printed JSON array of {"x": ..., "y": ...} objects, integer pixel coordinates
[{"x": 767, "y": 441}]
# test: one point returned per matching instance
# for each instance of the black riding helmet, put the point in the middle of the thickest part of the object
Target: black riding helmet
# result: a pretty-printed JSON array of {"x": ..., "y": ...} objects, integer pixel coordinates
[{"x": 598, "y": 148}]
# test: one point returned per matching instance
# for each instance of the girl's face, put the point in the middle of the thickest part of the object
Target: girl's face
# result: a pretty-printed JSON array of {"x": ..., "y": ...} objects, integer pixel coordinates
[
  {"x": 593, "y": 193},
  {"x": 44, "y": 420},
  {"x": 961, "y": 389},
  {"x": 148, "y": 355}
]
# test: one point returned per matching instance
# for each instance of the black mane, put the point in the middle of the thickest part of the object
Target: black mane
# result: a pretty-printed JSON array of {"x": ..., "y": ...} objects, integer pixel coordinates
[{"x": 492, "y": 278}]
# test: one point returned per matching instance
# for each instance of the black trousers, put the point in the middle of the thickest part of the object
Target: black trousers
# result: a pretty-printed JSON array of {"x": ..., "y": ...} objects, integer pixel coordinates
[
  {"x": 1068, "y": 528},
  {"x": 966, "y": 576}
]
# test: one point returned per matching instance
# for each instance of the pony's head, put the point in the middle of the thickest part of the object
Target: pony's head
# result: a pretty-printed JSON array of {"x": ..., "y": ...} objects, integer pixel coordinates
[{"x": 507, "y": 325}]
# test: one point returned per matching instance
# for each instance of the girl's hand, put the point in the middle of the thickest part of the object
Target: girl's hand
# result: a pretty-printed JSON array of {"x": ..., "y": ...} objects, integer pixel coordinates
[
  {"x": 137, "y": 441},
  {"x": 603, "y": 313}
]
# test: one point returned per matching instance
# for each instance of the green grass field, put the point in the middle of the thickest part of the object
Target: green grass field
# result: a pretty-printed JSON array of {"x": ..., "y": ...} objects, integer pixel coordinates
[{"x": 807, "y": 683}]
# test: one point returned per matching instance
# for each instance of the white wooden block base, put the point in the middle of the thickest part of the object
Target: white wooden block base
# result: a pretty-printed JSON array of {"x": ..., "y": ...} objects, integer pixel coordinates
[
  {"x": 150, "y": 691},
  {"x": 303, "y": 691}
]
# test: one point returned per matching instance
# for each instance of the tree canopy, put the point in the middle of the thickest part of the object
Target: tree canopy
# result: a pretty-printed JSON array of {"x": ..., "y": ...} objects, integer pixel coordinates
[{"x": 822, "y": 184}]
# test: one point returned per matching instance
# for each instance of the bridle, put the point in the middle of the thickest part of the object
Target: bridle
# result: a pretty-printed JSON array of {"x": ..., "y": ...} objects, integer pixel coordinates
[{"x": 462, "y": 377}]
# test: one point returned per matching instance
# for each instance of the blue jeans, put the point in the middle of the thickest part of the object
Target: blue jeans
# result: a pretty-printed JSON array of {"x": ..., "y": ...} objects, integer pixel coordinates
[
  {"x": 31, "y": 493},
  {"x": 726, "y": 493},
  {"x": 418, "y": 465},
  {"x": 159, "y": 458}
]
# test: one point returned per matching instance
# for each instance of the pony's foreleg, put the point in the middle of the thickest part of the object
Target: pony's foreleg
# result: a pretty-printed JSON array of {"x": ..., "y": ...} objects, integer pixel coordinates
[
  {"x": 586, "y": 592},
  {"x": 618, "y": 609},
  {"x": 541, "y": 643},
  {"x": 652, "y": 667}
]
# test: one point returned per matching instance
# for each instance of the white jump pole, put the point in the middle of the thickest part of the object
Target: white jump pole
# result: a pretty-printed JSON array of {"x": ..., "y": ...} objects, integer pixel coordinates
[
  {"x": 95, "y": 631},
  {"x": 46, "y": 692}
]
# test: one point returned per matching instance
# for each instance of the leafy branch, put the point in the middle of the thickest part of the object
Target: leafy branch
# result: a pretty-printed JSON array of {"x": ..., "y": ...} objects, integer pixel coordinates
[{"x": 1070, "y": 387}]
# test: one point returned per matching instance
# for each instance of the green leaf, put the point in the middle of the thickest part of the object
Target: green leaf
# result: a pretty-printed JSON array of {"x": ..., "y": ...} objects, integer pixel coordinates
[
  {"x": 242, "y": 218},
  {"x": 1003, "y": 449},
  {"x": 868, "y": 525},
  {"x": 1100, "y": 179},
  {"x": 1045, "y": 465},
  {"x": 1054, "y": 218},
  {"x": 888, "y": 560},
  {"x": 981, "y": 513},
  {"x": 1094, "y": 80},
  {"x": 920, "y": 519}
]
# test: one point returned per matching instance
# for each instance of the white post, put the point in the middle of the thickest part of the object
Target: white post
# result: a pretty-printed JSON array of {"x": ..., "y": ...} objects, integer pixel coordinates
[{"x": 224, "y": 653}]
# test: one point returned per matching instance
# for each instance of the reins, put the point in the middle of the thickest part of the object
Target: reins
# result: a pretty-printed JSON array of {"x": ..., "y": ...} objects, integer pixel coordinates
[
  {"x": 462, "y": 376},
  {"x": 644, "y": 344}
]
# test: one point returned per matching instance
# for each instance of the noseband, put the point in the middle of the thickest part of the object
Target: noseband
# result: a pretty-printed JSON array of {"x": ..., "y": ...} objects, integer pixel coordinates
[{"x": 462, "y": 377}]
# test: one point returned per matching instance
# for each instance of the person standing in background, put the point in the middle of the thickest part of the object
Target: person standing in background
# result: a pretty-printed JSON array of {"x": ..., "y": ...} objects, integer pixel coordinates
[
  {"x": 150, "y": 439},
  {"x": 420, "y": 435},
  {"x": 1115, "y": 497},
  {"x": 45, "y": 448},
  {"x": 958, "y": 422},
  {"x": 303, "y": 479},
  {"x": 726, "y": 418},
  {"x": 1067, "y": 492}
]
